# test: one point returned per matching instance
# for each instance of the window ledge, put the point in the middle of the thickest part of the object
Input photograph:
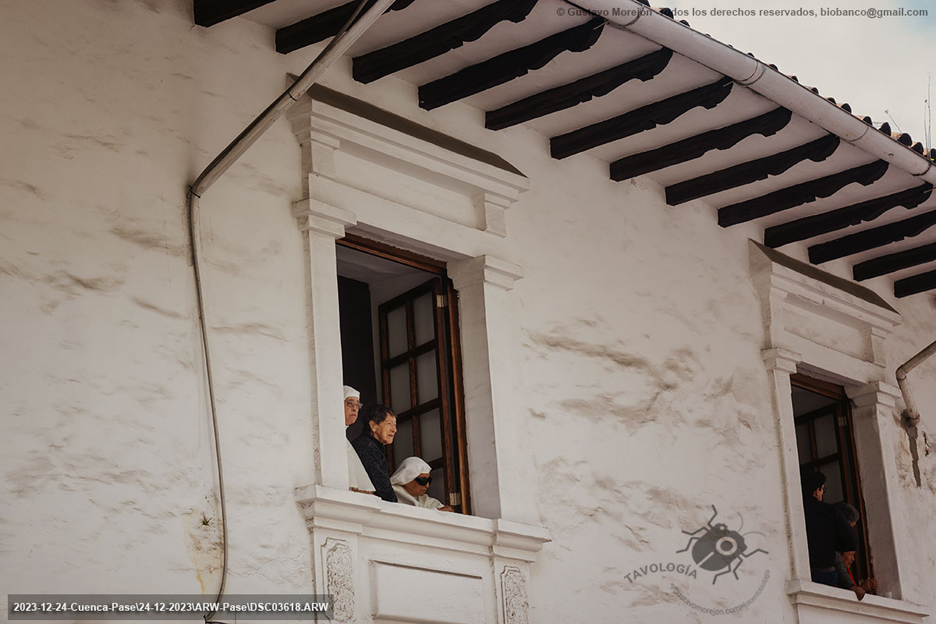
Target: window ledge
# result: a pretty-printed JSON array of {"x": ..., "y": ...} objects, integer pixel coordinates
[
  {"x": 369, "y": 516},
  {"x": 818, "y": 598}
]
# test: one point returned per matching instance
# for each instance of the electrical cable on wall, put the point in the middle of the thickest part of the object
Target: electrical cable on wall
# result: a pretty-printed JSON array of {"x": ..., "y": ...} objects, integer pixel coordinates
[{"x": 346, "y": 37}]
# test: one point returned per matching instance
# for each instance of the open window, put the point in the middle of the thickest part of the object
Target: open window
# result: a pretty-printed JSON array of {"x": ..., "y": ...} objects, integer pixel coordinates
[
  {"x": 825, "y": 442},
  {"x": 399, "y": 346}
]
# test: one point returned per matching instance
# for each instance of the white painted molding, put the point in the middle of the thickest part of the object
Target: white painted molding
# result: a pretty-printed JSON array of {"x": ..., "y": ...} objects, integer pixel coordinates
[
  {"x": 781, "y": 359},
  {"x": 328, "y": 508},
  {"x": 514, "y": 597},
  {"x": 323, "y": 129},
  {"x": 875, "y": 393},
  {"x": 807, "y": 596},
  {"x": 339, "y": 577},
  {"x": 317, "y": 216},
  {"x": 805, "y": 311},
  {"x": 486, "y": 269}
]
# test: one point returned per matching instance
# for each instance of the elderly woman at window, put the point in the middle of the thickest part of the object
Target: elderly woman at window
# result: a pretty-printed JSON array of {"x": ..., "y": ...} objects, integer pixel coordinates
[
  {"x": 410, "y": 483},
  {"x": 379, "y": 429},
  {"x": 357, "y": 476}
]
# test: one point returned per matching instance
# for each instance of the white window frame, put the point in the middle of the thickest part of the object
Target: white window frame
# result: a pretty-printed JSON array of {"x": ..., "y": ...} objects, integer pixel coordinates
[
  {"x": 473, "y": 257},
  {"x": 854, "y": 359},
  {"x": 356, "y": 531}
]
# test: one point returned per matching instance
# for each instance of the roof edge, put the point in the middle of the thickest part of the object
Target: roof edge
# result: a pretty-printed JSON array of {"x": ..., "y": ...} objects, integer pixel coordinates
[{"x": 638, "y": 18}]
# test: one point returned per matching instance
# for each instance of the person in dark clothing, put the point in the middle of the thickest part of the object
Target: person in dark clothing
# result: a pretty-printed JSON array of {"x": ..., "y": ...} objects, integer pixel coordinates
[
  {"x": 843, "y": 561},
  {"x": 379, "y": 429},
  {"x": 827, "y": 531}
]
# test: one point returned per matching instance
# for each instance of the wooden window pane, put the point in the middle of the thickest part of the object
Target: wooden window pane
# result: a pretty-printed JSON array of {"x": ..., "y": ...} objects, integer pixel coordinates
[
  {"x": 430, "y": 435},
  {"x": 396, "y": 331},
  {"x": 400, "y": 388},
  {"x": 427, "y": 377},
  {"x": 403, "y": 442},
  {"x": 833, "y": 486},
  {"x": 423, "y": 319},
  {"x": 826, "y": 440},
  {"x": 802, "y": 443}
]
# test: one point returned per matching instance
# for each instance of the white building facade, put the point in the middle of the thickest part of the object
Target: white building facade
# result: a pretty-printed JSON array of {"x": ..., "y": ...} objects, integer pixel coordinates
[{"x": 623, "y": 364}]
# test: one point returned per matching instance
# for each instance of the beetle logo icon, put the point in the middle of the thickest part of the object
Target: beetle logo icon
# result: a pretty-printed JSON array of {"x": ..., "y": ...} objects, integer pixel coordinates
[{"x": 718, "y": 547}]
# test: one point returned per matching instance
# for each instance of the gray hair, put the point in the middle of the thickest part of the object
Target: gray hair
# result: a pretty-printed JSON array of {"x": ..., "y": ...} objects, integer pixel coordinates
[{"x": 849, "y": 511}]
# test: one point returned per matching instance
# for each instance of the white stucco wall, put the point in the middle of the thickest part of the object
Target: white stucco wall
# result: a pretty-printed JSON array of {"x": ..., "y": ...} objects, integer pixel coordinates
[{"x": 639, "y": 386}]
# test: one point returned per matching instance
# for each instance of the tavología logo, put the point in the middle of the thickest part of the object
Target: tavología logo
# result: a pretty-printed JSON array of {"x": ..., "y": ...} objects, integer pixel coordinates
[
  {"x": 719, "y": 548},
  {"x": 713, "y": 548}
]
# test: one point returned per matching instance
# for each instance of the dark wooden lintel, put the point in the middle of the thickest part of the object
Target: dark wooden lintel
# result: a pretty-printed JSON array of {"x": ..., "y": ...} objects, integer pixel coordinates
[
  {"x": 841, "y": 218},
  {"x": 636, "y": 121},
  {"x": 574, "y": 93},
  {"x": 746, "y": 173},
  {"x": 800, "y": 194},
  {"x": 211, "y": 12},
  {"x": 915, "y": 284},
  {"x": 507, "y": 66},
  {"x": 439, "y": 40},
  {"x": 894, "y": 262},
  {"x": 322, "y": 26},
  {"x": 871, "y": 239},
  {"x": 766, "y": 125}
]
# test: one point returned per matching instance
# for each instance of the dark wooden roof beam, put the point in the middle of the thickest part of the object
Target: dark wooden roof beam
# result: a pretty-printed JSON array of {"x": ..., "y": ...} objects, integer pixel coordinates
[
  {"x": 211, "y": 12},
  {"x": 322, "y": 26},
  {"x": 439, "y": 40},
  {"x": 507, "y": 66},
  {"x": 749, "y": 172},
  {"x": 560, "y": 98},
  {"x": 636, "y": 121},
  {"x": 915, "y": 284},
  {"x": 841, "y": 218},
  {"x": 804, "y": 193},
  {"x": 872, "y": 239},
  {"x": 683, "y": 151},
  {"x": 894, "y": 262}
]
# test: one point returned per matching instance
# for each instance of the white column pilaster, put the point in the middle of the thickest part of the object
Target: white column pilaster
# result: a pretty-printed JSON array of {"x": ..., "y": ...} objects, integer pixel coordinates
[
  {"x": 488, "y": 327},
  {"x": 321, "y": 226},
  {"x": 780, "y": 364},
  {"x": 873, "y": 410}
]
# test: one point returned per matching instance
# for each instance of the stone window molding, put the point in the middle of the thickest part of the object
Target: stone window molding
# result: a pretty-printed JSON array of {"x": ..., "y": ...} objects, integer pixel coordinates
[
  {"x": 380, "y": 559},
  {"x": 377, "y": 551},
  {"x": 815, "y": 602},
  {"x": 339, "y": 139},
  {"x": 832, "y": 329}
]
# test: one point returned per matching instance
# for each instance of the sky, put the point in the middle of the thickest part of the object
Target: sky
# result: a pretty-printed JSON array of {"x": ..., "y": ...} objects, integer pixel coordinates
[{"x": 876, "y": 65}]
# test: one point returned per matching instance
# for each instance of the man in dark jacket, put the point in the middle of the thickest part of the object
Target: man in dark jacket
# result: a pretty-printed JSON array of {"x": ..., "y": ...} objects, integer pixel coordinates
[
  {"x": 379, "y": 430},
  {"x": 827, "y": 531}
]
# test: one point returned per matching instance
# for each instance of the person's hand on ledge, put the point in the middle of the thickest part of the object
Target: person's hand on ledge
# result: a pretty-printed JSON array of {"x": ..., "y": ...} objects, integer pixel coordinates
[
  {"x": 446, "y": 508},
  {"x": 869, "y": 586},
  {"x": 858, "y": 592},
  {"x": 362, "y": 491}
]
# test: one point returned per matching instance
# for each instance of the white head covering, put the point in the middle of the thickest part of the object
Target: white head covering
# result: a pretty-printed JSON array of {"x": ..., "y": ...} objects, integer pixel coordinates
[
  {"x": 409, "y": 469},
  {"x": 351, "y": 392}
]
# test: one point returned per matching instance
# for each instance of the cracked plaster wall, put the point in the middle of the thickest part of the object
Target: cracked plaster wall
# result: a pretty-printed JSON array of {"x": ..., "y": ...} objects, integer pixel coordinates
[
  {"x": 109, "y": 110},
  {"x": 640, "y": 392}
]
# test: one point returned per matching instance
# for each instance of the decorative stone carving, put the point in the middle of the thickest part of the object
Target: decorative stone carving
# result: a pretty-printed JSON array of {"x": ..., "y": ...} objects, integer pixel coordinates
[
  {"x": 514, "y": 596},
  {"x": 339, "y": 578}
]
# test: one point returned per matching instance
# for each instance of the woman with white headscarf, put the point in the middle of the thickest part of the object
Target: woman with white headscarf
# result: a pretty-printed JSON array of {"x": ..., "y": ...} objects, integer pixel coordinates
[
  {"x": 357, "y": 476},
  {"x": 410, "y": 482}
]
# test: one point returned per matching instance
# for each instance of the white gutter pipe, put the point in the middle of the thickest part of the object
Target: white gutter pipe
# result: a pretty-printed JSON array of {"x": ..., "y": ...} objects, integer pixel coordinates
[
  {"x": 912, "y": 415},
  {"x": 748, "y": 71},
  {"x": 340, "y": 44}
]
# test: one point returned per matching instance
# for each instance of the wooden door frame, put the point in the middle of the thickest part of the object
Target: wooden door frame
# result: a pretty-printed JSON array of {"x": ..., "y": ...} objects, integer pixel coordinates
[
  {"x": 851, "y": 478},
  {"x": 452, "y": 358}
]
